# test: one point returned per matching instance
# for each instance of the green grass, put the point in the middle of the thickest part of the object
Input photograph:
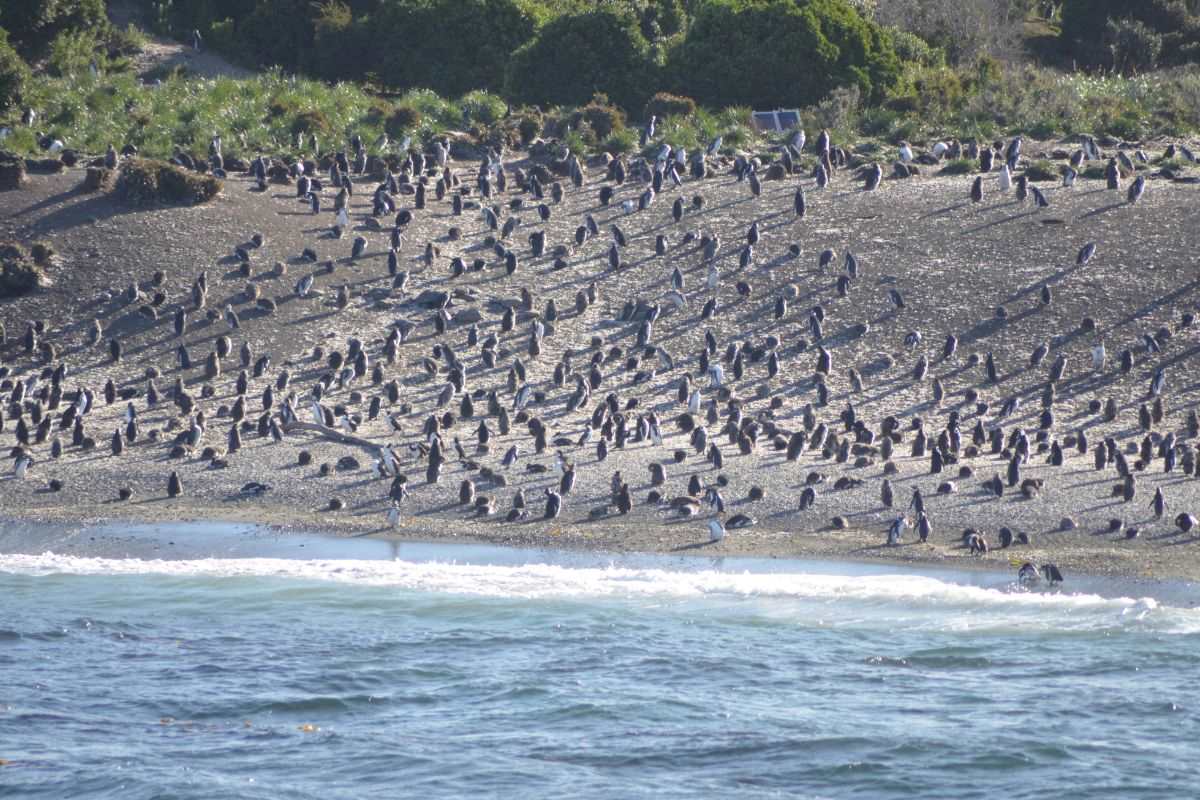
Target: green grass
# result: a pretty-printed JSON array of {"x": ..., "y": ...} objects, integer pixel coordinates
[
  {"x": 263, "y": 114},
  {"x": 960, "y": 166},
  {"x": 1041, "y": 171}
]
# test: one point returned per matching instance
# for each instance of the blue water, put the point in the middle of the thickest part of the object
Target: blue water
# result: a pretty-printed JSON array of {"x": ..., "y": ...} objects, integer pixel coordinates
[{"x": 290, "y": 676}]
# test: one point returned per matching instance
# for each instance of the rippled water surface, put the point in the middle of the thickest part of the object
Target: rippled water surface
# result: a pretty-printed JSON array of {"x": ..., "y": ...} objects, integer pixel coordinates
[{"x": 338, "y": 678}]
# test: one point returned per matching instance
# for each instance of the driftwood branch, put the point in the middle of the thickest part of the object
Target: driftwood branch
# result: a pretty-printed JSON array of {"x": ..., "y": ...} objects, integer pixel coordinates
[{"x": 331, "y": 434}]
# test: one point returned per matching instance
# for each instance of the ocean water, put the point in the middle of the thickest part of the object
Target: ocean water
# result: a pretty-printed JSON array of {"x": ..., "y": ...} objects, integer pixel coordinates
[{"x": 442, "y": 672}]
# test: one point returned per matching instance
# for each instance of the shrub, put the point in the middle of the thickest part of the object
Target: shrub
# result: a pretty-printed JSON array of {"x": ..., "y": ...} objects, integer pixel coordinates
[
  {"x": 1166, "y": 25},
  {"x": 665, "y": 104},
  {"x": 771, "y": 53},
  {"x": 840, "y": 112},
  {"x": 97, "y": 179},
  {"x": 577, "y": 141},
  {"x": 72, "y": 52},
  {"x": 620, "y": 142},
  {"x": 145, "y": 182},
  {"x": 600, "y": 117},
  {"x": 14, "y": 74},
  {"x": 962, "y": 30},
  {"x": 929, "y": 92},
  {"x": 960, "y": 166},
  {"x": 529, "y": 126},
  {"x": 576, "y": 55},
  {"x": 313, "y": 121},
  {"x": 1041, "y": 171},
  {"x": 403, "y": 119},
  {"x": 41, "y": 252},
  {"x": 1133, "y": 45},
  {"x": 12, "y": 172},
  {"x": 33, "y": 24},
  {"x": 450, "y": 46},
  {"x": 482, "y": 108},
  {"x": 19, "y": 273},
  {"x": 127, "y": 41},
  {"x": 912, "y": 49},
  {"x": 276, "y": 33}
]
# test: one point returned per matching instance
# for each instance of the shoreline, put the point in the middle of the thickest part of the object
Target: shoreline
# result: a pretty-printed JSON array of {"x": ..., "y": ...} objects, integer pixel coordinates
[{"x": 819, "y": 547}]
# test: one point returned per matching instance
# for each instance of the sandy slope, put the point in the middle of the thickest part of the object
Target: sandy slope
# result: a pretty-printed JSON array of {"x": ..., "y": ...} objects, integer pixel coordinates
[{"x": 953, "y": 262}]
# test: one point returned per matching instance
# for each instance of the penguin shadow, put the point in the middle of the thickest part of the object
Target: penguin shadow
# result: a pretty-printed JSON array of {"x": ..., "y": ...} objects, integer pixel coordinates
[
  {"x": 948, "y": 209},
  {"x": 1102, "y": 210},
  {"x": 1001, "y": 221},
  {"x": 1170, "y": 533},
  {"x": 1166, "y": 300},
  {"x": 692, "y": 546},
  {"x": 877, "y": 547},
  {"x": 1054, "y": 279},
  {"x": 95, "y": 209}
]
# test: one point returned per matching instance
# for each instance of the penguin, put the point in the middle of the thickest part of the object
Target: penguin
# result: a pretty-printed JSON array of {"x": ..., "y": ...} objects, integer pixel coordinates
[{"x": 553, "y": 505}]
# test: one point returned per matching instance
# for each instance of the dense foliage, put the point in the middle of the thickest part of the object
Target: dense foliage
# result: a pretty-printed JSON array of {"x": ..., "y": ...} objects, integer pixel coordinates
[
  {"x": 33, "y": 24},
  {"x": 450, "y": 46},
  {"x": 13, "y": 74},
  {"x": 1132, "y": 36},
  {"x": 574, "y": 56},
  {"x": 587, "y": 72},
  {"x": 766, "y": 52},
  {"x": 771, "y": 53}
]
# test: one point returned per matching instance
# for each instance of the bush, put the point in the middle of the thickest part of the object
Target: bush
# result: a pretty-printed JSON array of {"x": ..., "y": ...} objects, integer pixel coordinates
[
  {"x": 19, "y": 273},
  {"x": 912, "y": 49},
  {"x": 773, "y": 53},
  {"x": 14, "y": 74},
  {"x": 960, "y": 166},
  {"x": 307, "y": 122},
  {"x": 961, "y": 30},
  {"x": 1134, "y": 46},
  {"x": 620, "y": 142},
  {"x": 529, "y": 126},
  {"x": 483, "y": 108},
  {"x": 145, "y": 182},
  {"x": 276, "y": 33},
  {"x": 72, "y": 52},
  {"x": 450, "y": 46},
  {"x": 97, "y": 179},
  {"x": 1107, "y": 32},
  {"x": 1041, "y": 171},
  {"x": 665, "y": 104},
  {"x": 600, "y": 117},
  {"x": 12, "y": 172},
  {"x": 41, "y": 253},
  {"x": 576, "y": 55},
  {"x": 929, "y": 92},
  {"x": 34, "y": 24},
  {"x": 403, "y": 120}
]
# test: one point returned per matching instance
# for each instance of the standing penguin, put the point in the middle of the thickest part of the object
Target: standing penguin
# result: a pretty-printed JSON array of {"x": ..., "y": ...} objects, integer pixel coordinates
[{"x": 553, "y": 504}]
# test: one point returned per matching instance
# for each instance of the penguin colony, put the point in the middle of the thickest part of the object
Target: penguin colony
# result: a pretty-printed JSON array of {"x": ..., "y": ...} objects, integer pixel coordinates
[{"x": 441, "y": 367}]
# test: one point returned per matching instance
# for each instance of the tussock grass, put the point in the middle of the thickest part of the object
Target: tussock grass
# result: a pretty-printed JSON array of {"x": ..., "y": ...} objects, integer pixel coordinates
[
  {"x": 959, "y": 166},
  {"x": 146, "y": 182},
  {"x": 20, "y": 273}
]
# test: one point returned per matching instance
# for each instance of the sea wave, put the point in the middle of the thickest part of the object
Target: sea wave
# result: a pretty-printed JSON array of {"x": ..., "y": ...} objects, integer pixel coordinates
[{"x": 913, "y": 600}]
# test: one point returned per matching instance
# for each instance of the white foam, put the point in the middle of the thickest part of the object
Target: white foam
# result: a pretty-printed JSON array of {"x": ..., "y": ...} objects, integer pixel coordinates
[{"x": 906, "y": 600}]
